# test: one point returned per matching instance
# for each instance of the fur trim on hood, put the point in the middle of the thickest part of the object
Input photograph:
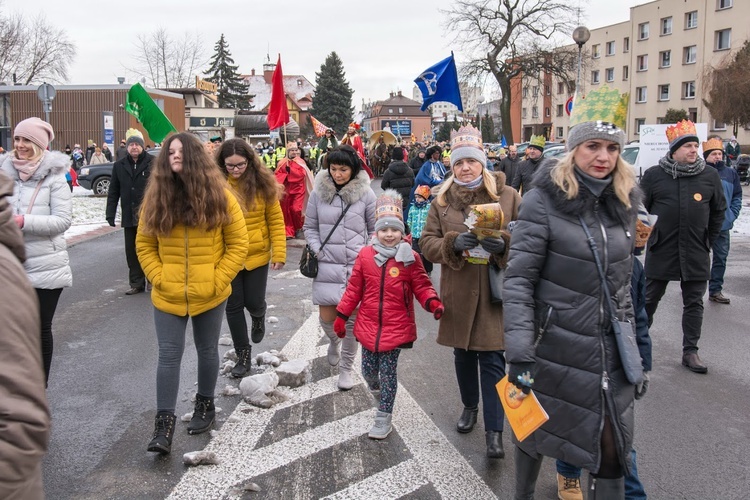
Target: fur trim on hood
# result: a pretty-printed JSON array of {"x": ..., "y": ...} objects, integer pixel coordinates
[
  {"x": 585, "y": 200},
  {"x": 53, "y": 162},
  {"x": 10, "y": 235},
  {"x": 350, "y": 193},
  {"x": 460, "y": 197}
]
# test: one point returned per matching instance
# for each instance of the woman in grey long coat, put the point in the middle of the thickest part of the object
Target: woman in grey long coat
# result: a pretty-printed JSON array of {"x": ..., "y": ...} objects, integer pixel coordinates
[
  {"x": 558, "y": 332},
  {"x": 42, "y": 208},
  {"x": 342, "y": 183}
]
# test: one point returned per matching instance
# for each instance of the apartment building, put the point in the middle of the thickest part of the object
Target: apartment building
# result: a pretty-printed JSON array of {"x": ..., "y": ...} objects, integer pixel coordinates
[{"x": 659, "y": 56}]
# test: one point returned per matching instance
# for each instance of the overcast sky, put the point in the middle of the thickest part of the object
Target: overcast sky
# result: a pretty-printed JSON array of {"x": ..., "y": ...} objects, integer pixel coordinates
[{"x": 384, "y": 45}]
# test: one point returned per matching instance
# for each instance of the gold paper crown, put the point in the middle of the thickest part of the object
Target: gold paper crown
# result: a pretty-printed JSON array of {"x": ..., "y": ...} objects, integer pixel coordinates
[
  {"x": 538, "y": 140},
  {"x": 603, "y": 104},
  {"x": 466, "y": 136},
  {"x": 680, "y": 129},
  {"x": 389, "y": 204},
  {"x": 133, "y": 132},
  {"x": 713, "y": 144}
]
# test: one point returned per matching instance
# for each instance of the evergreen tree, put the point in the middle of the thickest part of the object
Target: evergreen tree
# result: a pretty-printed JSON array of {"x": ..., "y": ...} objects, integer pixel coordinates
[
  {"x": 333, "y": 96},
  {"x": 223, "y": 72},
  {"x": 675, "y": 115}
]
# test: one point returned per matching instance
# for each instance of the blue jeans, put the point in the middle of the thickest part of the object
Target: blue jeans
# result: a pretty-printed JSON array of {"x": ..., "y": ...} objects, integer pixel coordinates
[
  {"x": 633, "y": 487},
  {"x": 720, "y": 251}
]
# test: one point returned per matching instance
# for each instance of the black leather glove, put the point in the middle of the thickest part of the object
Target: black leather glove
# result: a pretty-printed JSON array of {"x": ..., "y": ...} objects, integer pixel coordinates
[
  {"x": 465, "y": 241},
  {"x": 493, "y": 245},
  {"x": 111, "y": 222},
  {"x": 522, "y": 375},
  {"x": 640, "y": 389}
]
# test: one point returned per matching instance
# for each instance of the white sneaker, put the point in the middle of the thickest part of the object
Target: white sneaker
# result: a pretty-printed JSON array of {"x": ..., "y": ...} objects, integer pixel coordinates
[{"x": 382, "y": 426}]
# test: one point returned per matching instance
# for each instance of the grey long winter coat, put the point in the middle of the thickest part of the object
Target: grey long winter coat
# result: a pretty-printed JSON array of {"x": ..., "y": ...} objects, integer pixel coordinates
[
  {"x": 336, "y": 260},
  {"x": 578, "y": 372},
  {"x": 47, "y": 263}
]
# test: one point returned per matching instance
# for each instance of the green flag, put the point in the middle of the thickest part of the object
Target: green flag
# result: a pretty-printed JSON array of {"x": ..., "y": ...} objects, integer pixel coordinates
[{"x": 153, "y": 119}]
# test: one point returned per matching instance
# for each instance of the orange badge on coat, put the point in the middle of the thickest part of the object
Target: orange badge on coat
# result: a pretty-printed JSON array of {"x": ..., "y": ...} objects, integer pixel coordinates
[
  {"x": 394, "y": 272},
  {"x": 697, "y": 197}
]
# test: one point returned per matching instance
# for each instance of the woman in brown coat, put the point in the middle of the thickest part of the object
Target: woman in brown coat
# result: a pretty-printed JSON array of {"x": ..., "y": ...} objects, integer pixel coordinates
[{"x": 471, "y": 325}]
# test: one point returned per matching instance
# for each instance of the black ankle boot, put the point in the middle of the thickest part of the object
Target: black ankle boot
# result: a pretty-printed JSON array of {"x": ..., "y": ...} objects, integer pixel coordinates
[
  {"x": 242, "y": 367},
  {"x": 258, "y": 330},
  {"x": 467, "y": 420},
  {"x": 203, "y": 415},
  {"x": 163, "y": 432},
  {"x": 494, "y": 444}
]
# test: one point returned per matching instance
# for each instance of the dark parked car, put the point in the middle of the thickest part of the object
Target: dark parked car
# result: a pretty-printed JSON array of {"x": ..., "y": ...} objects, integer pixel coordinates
[{"x": 96, "y": 177}]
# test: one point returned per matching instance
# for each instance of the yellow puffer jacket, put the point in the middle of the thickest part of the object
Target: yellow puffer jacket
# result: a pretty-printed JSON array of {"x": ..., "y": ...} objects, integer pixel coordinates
[
  {"x": 192, "y": 269},
  {"x": 265, "y": 232}
]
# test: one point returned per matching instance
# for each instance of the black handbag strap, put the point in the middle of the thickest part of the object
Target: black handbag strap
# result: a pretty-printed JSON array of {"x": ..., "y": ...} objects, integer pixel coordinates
[
  {"x": 334, "y": 227},
  {"x": 605, "y": 287}
]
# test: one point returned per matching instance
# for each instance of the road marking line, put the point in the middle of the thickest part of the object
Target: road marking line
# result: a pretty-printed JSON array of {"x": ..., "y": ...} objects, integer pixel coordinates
[{"x": 394, "y": 482}]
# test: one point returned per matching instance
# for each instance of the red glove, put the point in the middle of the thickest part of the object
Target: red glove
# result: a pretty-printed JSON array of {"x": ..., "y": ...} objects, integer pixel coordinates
[
  {"x": 339, "y": 327},
  {"x": 436, "y": 308}
]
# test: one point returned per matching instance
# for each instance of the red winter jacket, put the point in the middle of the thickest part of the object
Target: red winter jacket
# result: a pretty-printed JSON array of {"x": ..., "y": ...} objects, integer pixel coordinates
[{"x": 385, "y": 296}]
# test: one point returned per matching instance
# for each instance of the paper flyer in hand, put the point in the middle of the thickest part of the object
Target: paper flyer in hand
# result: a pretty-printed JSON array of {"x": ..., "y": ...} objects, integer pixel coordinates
[
  {"x": 485, "y": 221},
  {"x": 525, "y": 415}
]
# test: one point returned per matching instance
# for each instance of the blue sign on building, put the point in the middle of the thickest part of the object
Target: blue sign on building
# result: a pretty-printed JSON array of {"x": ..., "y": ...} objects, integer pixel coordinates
[{"x": 397, "y": 127}]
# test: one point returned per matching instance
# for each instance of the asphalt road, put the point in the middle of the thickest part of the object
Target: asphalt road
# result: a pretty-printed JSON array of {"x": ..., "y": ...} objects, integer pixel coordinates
[{"x": 692, "y": 432}]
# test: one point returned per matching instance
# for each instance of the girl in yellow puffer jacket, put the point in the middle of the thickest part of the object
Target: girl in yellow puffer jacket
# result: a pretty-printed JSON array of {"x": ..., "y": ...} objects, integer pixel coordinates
[
  {"x": 192, "y": 241},
  {"x": 258, "y": 193}
]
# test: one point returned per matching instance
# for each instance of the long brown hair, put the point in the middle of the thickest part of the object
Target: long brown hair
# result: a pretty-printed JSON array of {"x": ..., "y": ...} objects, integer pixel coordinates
[
  {"x": 256, "y": 181},
  {"x": 194, "y": 197}
]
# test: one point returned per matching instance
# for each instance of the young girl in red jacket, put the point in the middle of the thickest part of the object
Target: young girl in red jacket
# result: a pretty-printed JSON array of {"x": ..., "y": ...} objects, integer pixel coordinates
[{"x": 387, "y": 275}]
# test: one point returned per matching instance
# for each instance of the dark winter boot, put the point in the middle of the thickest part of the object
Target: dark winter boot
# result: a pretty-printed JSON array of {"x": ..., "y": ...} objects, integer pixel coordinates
[
  {"x": 258, "y": 330},
  {"x": 494, "y": 444},
  {"x": 163, "y": 432},
  {"x": 467, "y": 420},
  {"x": 242, "y": 367},
  {"x": 203, "y": 415},
  {"x": 527, "y": 471},
  {"x": 606, "y": 489}
]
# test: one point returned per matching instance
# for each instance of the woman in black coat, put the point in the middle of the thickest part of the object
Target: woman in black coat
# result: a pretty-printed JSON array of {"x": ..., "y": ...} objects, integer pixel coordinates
[{"x": 558, "y": 331}]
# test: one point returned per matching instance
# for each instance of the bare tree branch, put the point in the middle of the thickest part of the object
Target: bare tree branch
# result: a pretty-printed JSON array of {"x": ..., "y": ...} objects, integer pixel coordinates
[{"x": 166, "y": 61}]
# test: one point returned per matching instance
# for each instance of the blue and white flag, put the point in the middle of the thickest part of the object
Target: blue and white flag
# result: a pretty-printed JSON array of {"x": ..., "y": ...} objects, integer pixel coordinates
[
  {"x": 440, "y": 83},
  {"x": 504, "y": 143}
]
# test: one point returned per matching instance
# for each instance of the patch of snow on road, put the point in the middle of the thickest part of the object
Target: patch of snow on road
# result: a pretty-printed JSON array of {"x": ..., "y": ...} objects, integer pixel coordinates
[{"x": 88, "y": 212}]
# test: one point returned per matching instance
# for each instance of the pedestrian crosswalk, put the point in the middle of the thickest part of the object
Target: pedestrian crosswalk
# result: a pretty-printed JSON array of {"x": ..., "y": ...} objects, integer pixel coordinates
[{"x": 315, "y": 445}]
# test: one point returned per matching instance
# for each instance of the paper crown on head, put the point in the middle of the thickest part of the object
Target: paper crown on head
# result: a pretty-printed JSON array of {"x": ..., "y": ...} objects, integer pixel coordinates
[
  {"x": 355, "y": 126},
  {"x": 389, "y": 211},
  {"x": 466, "y": 142},
  {"x": 712, "y": 145},
  {"x": 680, "y": 133},
  {"x": 538, "y": 142}
]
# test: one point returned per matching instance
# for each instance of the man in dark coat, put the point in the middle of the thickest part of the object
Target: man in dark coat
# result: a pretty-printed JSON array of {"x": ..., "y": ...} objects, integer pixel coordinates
[
  {"x": 509, "y": 164},
  {"x": 416, "y": 163},
  {"x": 689, "y": 200},
  {"x": 399, "y": 177},
  {"x": 129, "y": 178},
  {"x": 121, "y": 152},
  {"x": 525, "y": 172}
]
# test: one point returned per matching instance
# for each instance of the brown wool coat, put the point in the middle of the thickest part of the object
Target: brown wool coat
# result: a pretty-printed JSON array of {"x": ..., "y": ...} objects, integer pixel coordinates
[{"x": 470, "y": 321}]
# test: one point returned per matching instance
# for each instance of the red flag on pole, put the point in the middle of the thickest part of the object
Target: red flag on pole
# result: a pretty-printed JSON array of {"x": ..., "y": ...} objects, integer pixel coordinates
[
  {"x": 278, "y": 113},
  {"x": 320, "y": 129}
]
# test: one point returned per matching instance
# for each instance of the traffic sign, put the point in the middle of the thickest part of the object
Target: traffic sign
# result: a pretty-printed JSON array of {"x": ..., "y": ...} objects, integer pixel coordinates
[{"x": 569, "y": 105}]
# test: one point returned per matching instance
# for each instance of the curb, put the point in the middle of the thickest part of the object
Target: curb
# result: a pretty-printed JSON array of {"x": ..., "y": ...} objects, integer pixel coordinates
[{"x": 96, "y": 233}]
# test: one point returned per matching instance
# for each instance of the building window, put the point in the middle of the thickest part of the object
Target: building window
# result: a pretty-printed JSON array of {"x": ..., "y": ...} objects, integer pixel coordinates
[
  {"x": 595, "y": 52},
  {"x": 534, "y": 112},
  {"x": 547, "y": 112},
  {"x": 723, "y": 4},
  {"x": 571, "y": 86},
  {"x": 625, "y": 73},
  {"x": 691, "y": 20},
  {"x": 688, "y": 90},
  {"x": 523, "y": 113},
  {"x": 610, "y": 74},
  {"x": 642, "y": 62},
  {"x": 535, "y": 91},
  {"x": 390, "y": 111},
  {"x": 595, "y": 77},
  {"x": 691, "y": 54},
  {"x": 641, "y": 94},
  {"x": 559, "y": 133},
  {"x": 626, "y": 44},
  {"x": 666, "y": 26},
  {"x": 611, "y": 48},
  {"x": 724, "y": 39},
  {"x": 693, "y": 115},
  {"x": 560, "y": 87},
  {"x": 664, "y": 92},
  {"x": 719, "y": 125},
  {"x": 525, "y": 92},
  {"x": 547, "y": 90},
  {"x": 639, "y": 122},
  {"x": 643, "y": 31},
  {"x": 401, "y": 111},
  {"x": 665, "y": 59},
  {"x": 560, "y": 109}
]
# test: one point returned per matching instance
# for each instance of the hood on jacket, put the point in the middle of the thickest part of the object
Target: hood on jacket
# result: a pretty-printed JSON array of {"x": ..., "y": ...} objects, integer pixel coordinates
[
  {"x": 585, "y": 200},
  {"x": 352, "y": 192},
  {"x": 398, "y": 167},
  {"x": 53, "y": 162},
  {"x": 10, "y": 234}
]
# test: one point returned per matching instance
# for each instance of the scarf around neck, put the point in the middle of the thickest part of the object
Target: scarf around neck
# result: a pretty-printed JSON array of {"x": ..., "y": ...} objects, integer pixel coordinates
[
  {"x": 596, "y": 186},
  {"x": 402, "y": 252},
  {"x": 676, "y": 169},
  {"x": 471, "y": 185},
  {"x": 26, "y": 168}
]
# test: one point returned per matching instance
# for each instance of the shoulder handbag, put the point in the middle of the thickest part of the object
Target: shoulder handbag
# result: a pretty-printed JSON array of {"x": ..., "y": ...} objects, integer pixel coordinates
[
  {"x": 496, "y": 274},
  {"x": 630, "y": 356},
  {"x": 308, "y": 263}
]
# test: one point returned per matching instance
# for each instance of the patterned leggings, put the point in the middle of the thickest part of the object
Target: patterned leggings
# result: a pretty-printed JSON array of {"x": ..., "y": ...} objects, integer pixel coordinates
[{"x": 379, "y": 370}]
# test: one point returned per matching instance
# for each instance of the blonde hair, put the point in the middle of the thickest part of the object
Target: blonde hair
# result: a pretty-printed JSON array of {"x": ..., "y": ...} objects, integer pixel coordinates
[
  {"x": 623, "y": 178},
  {"x": 488, "y": 181},
  {"x": 38, "y": 152}
]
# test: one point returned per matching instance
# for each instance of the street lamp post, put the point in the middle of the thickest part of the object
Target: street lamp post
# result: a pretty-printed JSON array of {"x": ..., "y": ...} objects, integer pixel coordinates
[
  {"x": 581, "y": 35},
  {"x": 480, "y": 100}
]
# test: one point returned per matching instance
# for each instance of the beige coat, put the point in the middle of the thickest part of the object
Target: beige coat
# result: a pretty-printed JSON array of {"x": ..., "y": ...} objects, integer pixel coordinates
[{"x": 470, "y": 321}]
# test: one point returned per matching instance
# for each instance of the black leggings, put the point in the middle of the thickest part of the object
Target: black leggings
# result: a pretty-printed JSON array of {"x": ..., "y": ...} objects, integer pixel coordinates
[
  {"x": 47, "y": 306},
  {"x": 610, "y": 467}
]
